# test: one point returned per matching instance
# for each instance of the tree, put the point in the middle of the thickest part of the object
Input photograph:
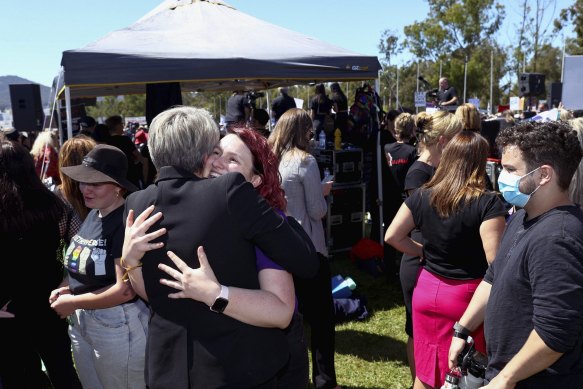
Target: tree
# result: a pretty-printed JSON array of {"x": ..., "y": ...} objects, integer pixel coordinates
[
  {"x": 572, "y": 15},
  {"x": 453, "y": 32}
]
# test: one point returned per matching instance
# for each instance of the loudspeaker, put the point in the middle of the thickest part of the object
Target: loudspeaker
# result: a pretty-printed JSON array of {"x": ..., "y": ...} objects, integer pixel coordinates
[
  {"x": 27, "y": 110},
  {"x": 160, "y": 97},
  {"x": 490, "y": 130},
  {"x": 556, "y": 95},
  {"x": 531, "y": 84},
  {"x": 345, "y": 216}
]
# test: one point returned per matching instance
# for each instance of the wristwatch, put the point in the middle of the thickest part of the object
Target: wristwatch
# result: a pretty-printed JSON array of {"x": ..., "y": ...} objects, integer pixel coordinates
[
  {"x": 221, "y": 301},
  {"x": 460, "y": 331}
]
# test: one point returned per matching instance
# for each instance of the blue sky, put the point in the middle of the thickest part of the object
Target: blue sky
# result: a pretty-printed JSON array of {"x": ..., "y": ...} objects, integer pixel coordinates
[{"x": 35, "y": 32}]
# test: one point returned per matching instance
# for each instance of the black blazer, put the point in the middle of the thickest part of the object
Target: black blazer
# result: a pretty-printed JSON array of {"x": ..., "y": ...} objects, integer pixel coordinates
[{"x": 190, "y": 346}]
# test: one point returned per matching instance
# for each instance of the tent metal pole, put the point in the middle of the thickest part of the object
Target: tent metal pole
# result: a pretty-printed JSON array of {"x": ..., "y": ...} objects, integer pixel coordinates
[
  {"x": 562, "y": 63},
  {"x": 268, "y": 110},
  {"x": 379, "y": 168},
  {"x": 69, "y": 115},
  {"x": 491, "y": 83},
  {"x": 59, "y": 120},
  {"x": 398, "y": 103},
  {"x": 465, "y": 77}
]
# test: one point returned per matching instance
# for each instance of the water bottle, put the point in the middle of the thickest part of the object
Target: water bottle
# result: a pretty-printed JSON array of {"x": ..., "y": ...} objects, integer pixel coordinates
[
  {"x": 322, "y": 140},
  {"x": 342, "y": 287},
  {"x": 326, "y": 174},
  {"x": 452, "y": 379}
]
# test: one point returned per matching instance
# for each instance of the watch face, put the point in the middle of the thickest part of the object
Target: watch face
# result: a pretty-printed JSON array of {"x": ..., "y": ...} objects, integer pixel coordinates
[{"x": 219, "y": 305}]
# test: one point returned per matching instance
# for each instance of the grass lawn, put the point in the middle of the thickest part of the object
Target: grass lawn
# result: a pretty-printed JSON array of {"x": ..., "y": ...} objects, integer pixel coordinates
[{"x": 371, "y": 354}]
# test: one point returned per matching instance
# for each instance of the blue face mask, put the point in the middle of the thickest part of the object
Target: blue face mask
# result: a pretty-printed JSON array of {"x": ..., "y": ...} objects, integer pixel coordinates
[{"x": 508, "y": 185}]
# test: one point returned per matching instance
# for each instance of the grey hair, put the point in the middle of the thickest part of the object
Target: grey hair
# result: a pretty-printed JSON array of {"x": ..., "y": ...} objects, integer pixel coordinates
[
  {"x": 576, "y": 186},
  {"x": 182, "y": 137}
]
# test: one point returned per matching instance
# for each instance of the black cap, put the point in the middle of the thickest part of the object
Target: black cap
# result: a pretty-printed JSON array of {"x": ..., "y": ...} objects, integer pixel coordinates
[{"x": 104, "y": 163}]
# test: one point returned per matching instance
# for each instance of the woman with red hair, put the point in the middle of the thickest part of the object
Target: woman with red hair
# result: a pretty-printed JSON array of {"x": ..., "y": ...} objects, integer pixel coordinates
[{"x": 243, "y": 151}]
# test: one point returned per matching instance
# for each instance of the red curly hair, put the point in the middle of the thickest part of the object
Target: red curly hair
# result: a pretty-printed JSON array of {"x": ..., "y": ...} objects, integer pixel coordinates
[{"x": 265, "y": 164}]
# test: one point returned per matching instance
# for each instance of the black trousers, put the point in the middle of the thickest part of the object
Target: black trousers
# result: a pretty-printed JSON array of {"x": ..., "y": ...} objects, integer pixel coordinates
[
  {"x": 315, "y": 303},
  {"x": 25, "y": 340}
]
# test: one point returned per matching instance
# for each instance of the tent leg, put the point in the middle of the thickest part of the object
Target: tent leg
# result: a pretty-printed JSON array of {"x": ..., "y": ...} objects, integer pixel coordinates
[
  {"x": 268, "y": 110},
  {"x": 69, "y": 115},
  {"x": 59, "y": 121},
  {"x": 380, "y": 169}
]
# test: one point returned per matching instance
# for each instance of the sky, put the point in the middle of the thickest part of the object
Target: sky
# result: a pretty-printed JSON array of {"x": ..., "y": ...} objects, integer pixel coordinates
[{"x": 34, "y": 33}]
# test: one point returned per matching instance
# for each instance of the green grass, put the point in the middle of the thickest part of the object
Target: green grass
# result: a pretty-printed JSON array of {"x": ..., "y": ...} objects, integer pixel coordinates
[{"x": 371, "y": 354}]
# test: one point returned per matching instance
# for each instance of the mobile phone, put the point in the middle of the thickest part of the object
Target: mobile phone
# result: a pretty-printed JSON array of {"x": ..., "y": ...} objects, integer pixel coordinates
[{"x": 328, "y": 178}]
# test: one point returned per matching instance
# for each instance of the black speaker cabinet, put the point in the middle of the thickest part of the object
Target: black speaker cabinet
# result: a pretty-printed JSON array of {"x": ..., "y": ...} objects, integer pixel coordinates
[
  {"x": 490, "y": 130},
  {"x": 556, "y": 95},
  {"x": 531, "y": 84},
  {"x": 27, "y": 110},
  {"x": 345, "y": 218},
  {"x": 346, "y": 165}
]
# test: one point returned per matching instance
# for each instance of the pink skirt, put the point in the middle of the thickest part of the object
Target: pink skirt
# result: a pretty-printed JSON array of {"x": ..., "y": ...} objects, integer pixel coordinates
[{"x": 439, "y": 302}]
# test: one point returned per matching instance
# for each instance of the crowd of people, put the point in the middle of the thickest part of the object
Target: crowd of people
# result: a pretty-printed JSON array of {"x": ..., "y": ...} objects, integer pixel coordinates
[{"x": 183, "y": 256}]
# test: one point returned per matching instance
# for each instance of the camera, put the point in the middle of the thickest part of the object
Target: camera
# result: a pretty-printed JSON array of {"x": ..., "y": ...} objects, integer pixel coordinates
[
  {"x": 471, "y": 361},
  {"x": 252, "y": 97},
  {"x": 432, "y": 93}
]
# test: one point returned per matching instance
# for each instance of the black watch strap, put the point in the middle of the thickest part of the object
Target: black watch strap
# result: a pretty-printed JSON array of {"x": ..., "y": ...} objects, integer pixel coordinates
[
  {"x": 460, "y": 331},
  {"x": 457, "y": 334}
]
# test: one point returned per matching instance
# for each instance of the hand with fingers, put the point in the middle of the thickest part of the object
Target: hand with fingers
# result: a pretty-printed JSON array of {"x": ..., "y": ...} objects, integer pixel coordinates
[
  {"x": 137, "y": 240},
  {"x": 197, "y": 284},
  {"x": 457, "y": 346},
  {"x": 4, "y": 314}
]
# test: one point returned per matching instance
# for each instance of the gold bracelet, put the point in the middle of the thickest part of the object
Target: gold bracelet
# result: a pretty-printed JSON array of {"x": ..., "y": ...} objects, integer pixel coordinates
[{"x": 126, "y": 274}]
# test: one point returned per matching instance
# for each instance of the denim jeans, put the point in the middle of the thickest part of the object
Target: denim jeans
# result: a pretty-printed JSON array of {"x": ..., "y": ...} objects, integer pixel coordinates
[{"x": 109, "y": 345}]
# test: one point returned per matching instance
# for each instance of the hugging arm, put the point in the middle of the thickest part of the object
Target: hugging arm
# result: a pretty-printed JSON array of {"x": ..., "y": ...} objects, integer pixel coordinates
[{"x": 271, "y": 306}]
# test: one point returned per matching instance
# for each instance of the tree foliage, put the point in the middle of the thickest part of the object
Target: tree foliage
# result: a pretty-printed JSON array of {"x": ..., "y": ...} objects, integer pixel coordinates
[
  {"x": 572, "y": 15},
  {"x": 453, "y": 34},
  {"x": 453, "y": 28}
]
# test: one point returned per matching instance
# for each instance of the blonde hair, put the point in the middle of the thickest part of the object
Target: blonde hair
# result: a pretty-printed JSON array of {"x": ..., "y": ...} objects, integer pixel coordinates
[
  {"x": 43, "y": 139},
  {"x": 431, "y": 127},
  {"x": 565, "y": 115},
  {"x": 405, "y": 126},
  {"x": 470, "y": 117}
]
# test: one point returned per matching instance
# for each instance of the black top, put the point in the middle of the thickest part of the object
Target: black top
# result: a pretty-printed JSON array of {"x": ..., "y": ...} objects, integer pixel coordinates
[
  {"x": 399, "y": 157},
  {"x": 341, "y": 102},
  {"x": 418, "y": 174},
  {"x": 321, "y": 109},
  {"x": 189, "y": 346},
  {"x": 235, "y": 111},
  {"x": 89, "y": 259},
  {"x": 537, "y": 283},
  {"x": 446, "y": 95},
  {"x": 282, "y": 104},
  {"x": 452, "y": 247}
]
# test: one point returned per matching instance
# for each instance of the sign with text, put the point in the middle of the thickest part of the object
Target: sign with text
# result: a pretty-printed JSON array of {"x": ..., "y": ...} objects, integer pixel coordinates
[
  {"x": 420, "y": 99},
  {"x": 514, "y": 103},
  {"x": 475, "y": 101}
]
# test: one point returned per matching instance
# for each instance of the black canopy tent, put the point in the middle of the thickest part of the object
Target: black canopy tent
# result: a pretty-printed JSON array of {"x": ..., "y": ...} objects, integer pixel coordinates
[{"x": 205, "y": 45}]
